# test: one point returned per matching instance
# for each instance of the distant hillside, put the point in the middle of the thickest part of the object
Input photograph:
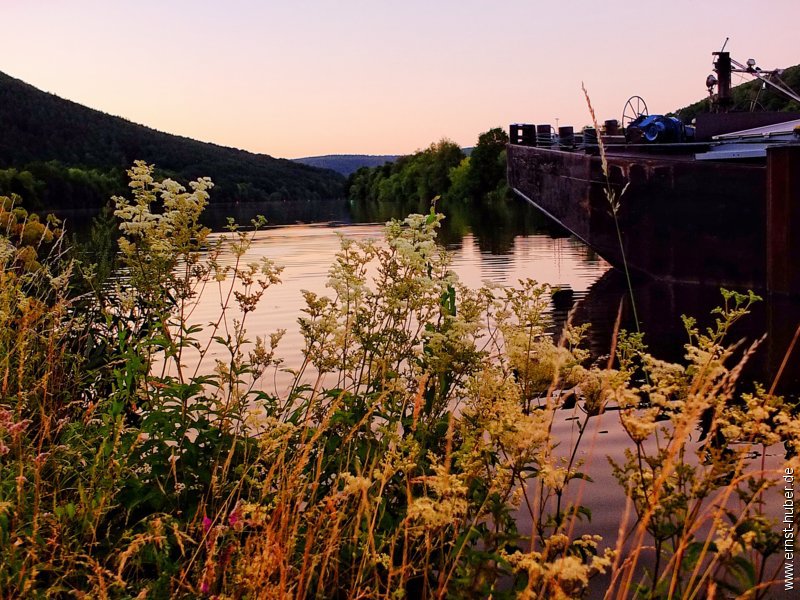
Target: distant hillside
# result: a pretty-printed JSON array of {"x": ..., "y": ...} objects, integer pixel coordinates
[
  {"x": 746, "y": 94},
  {"x": 59, "y": 154},
  {"x": 345, "y": 164}
]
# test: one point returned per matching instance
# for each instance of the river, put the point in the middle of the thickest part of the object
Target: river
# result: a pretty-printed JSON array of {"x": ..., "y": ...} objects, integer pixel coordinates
[
  {"x": 518, "y": 245},
  {"x": 501, "y": 245}
]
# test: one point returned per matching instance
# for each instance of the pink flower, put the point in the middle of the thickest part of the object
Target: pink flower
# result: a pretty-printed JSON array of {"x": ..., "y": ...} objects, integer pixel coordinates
[
  {"x": 19, "y": 427},
  {"x": 204, "y": 587},
  {"x": 206, "y": 524},
  {"x": 234, "y": 517}
]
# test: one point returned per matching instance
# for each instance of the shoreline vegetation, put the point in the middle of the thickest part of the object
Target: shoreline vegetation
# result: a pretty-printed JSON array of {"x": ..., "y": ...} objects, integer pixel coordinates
[
  {"x": 442, "y": 170},
  {"x": 417, "y": 433}
]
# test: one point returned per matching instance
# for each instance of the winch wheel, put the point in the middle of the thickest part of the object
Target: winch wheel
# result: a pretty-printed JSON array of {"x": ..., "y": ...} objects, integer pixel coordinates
[{"x": 634, "y": 108}]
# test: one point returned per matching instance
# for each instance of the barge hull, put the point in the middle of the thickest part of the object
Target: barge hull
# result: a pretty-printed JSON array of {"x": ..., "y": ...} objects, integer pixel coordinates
[{"x": 680, "y": 220}]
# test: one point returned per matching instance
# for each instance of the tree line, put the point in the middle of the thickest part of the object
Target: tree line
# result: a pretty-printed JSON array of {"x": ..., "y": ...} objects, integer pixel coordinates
[{"x": 441, "y": 170}]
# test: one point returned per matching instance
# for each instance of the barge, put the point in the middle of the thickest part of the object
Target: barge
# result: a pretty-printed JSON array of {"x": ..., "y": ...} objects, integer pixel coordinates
[{"x": 716, "y": 202}]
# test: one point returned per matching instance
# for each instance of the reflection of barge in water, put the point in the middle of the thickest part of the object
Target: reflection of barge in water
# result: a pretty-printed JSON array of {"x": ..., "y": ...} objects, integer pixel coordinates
[
  {"x": 658, "y": 306},
  {"x": 719, "y": 203}
]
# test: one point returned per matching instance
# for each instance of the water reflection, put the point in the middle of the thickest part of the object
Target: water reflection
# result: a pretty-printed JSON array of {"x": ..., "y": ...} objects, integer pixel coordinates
[
  {"x": 306, "y": 251},
  {"x": 494, "y": 226},
  {"x": 502, "y": 242},
  {"x": 660, "y": 306},
  {"x": 278, "y": 212}
]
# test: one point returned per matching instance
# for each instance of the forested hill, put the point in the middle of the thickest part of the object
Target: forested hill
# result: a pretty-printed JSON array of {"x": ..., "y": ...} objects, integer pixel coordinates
[
  {"x": 347, "y": 164},
  {"x": 59, "y": 154},
  {"x": 746, "y": 94}
]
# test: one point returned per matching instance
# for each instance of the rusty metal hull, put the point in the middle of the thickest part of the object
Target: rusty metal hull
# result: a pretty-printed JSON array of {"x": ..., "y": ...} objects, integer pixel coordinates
[{"x": 679, "y": 219}]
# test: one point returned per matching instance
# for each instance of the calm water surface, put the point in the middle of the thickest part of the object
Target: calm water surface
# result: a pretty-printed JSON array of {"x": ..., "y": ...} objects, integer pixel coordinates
[
  {"x": 307, "y": 251},
  {"x": 502, "y": 245}
]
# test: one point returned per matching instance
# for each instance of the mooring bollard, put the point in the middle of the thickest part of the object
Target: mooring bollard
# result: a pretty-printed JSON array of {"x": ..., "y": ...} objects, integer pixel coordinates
[
  {"x": 566, "y": 137},
  {"x": 544, "y": 137},
  {"x": 783, "y": 219}
]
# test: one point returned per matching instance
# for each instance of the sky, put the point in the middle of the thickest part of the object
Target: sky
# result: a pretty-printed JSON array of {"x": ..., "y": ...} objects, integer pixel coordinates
[{"x": 300, "y": 78}]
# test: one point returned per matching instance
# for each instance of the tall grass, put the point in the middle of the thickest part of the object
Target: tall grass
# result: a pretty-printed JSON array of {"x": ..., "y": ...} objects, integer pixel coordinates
[
  {"x": 614, "y": 202},
  {"x": 141, "y": 455}
]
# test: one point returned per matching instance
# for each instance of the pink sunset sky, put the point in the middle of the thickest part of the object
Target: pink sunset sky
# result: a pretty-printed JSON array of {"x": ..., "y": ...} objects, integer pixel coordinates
[{"x": 303, "y": 78}]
